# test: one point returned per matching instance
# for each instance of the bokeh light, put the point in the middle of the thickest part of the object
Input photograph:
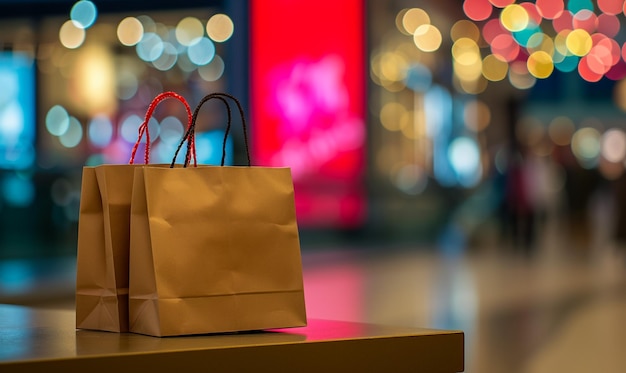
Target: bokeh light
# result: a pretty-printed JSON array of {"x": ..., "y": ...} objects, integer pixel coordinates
[
  {"x": 465, "y": 29},
  {"x": 150, "y": 47},
  {"x": 611, "y": 7},
  {"x": 127, "y": 84},
  {"x": 189, "y": 31},
  {"x": 586, "y": 20},
  {"x": 201, "y": 52},
  {"x": 533, "y": 12},
  {"x": 576, "y": 6},
  {"x": 579, "y": 42},
  {"x": 418, "y": 78},
  {"x": 501, "y": 3},
  {"x": 550, "y": 9},
  {"x": 563, "y": 22},
  {"x": 464, "y": 155},
  {"x": 476, "y": 115},
  {"x": 100, "y": 131},
  {"x": 477, "y": 10},
  {"x": 71, "y": 36},
  {"x": 130, "y": 31},
  {"x": 57, "y": 120},
  {"x": 83, "y": 14},
  {"x": 17, "y": 190},
  {"x": 494, "y": 69},
  {"x": 414, "y": 18},
  {"x": 491, "y": 29},
  {"x": 220, "y": 28},
  {"x": 391, "y": 116},
  {"x": 171, "y": 130},
  {"x": 561, "y": 130},
  {"x": 614, "y": 145},
  {"x": 409, "y": 178},
  {"x": 74, "y": 134},
  {"x": 540, "y": 64},
  {"x": 577, "y": 37},
  {"x": 586, "y": 146},
  {"x": 167, "y": 59},
  {"x": 505, "y": 47},
  {"x": 519, "y": 77},
  {"x": 129, "y": 128},
  {"x": 514, "y": 18},
  {"x": 427, "y": 38}
]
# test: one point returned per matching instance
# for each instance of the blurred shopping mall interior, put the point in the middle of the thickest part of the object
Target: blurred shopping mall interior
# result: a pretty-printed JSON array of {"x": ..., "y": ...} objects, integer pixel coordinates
[{"x": 457, "y": 164}]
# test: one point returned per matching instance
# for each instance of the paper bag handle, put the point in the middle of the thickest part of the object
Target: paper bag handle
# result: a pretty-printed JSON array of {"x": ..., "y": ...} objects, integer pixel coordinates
[
  {"x": 143, "y": 128},
  {"x": 191, "y": 131}
]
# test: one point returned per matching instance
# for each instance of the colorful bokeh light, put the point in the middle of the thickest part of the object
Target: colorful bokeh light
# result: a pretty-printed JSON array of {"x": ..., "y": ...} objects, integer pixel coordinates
[{"x": 573, "y": 35}]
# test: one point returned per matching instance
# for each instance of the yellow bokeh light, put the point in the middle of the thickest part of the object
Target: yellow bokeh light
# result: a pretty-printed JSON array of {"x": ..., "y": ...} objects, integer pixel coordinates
[
  {"x": 494, "y": 69},
  {"x": 414, "y": 18},
  {"x": 189, "y": 30},
  {"x": 579, "y": 42},
  {"x": 540, "y": 64},
  {"x": 514, "y": 18},
  {"x": 470, "y": 72},
  {"x": 541, "y": 42},
  {"x": 465, "y": 51},
  {"x": 94, "y": 74},
  {"x": 391, "y": 116},
  {"x": 474, "y": 87},
  {"x": 560, "y": 43},
  {"x": 427, "y": 38},
  {"x": 220, "y": 27},
  {"x": 393, "y": 86},
  {"x": 71, "y": 36},
  {"x": 393, "y": 67},
  {"x": 129, "y": 31},
  {"x": 413, "y": 126},
  {"x": 399, "y": 25},
  {"x": 465, "y": 29}
]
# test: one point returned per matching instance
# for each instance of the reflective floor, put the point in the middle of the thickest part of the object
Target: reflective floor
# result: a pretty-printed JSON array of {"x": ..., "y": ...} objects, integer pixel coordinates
[
  {"x": 554, "y": 311},
  {"x": 542, "y": 315}
]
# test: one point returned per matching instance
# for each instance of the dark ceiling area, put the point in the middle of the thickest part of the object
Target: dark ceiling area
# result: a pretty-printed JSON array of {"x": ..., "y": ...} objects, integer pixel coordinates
[{"x": 34, "y": 9}]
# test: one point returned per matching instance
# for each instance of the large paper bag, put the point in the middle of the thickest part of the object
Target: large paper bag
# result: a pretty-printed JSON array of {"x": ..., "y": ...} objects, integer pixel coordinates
[
  {"x": 104, "y": 237},
  {"x": 214, "y": 249}
]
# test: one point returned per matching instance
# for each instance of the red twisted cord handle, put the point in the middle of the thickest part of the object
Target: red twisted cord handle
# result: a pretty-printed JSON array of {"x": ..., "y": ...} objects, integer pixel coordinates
[{"x": 143, "y": 128}]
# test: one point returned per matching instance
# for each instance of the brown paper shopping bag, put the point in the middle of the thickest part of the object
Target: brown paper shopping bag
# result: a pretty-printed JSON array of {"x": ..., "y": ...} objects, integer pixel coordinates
[
  {"x": 214, "y": 249},
  {"x": 104, "y": 236}
]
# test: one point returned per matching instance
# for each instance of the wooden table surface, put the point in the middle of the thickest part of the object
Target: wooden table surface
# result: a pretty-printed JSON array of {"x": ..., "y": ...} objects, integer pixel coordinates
[{"x": 46, "y": 340}]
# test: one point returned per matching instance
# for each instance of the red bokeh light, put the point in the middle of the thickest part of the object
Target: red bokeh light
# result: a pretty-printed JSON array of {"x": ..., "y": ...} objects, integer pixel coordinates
[
  {"x": 608, "y": 25},
  {"x": 611, "y": 7},
  {"x": 550, "y": 9},
  {"x": 563, "y": 21},
  {"x": 504, "y": 47},
  {"x": 586, "y": 72},
  {"x": 491, "y": 29},
  {"x": 501, "y": 3},
  {"x": 533, "y": 13},
  {"x": 477, "y": 10}
]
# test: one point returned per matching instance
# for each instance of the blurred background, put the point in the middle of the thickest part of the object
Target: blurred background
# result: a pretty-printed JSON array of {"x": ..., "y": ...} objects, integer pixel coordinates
[{"x": 457, "y": 164}]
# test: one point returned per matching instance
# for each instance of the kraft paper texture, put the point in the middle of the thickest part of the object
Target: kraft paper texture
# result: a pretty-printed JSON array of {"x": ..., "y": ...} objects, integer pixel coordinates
[
  {"x": 214, "y": 249},
  {"x": 103, "y": 248}
]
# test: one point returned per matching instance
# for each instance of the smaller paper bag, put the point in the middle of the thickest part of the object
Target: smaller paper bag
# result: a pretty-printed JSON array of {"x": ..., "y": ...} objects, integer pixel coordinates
[
  {"x": 104, "y": 237},
  {"x": 214, "y": 249}
]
